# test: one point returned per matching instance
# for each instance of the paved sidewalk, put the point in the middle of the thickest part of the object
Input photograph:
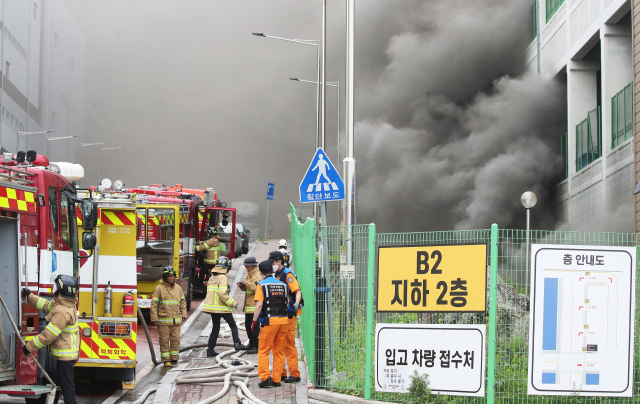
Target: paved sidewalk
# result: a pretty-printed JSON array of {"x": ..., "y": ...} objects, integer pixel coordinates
[{"x": 287, "y": 393}]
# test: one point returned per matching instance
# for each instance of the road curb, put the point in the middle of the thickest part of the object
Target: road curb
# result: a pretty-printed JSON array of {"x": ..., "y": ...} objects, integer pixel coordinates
[{"x": 337, "y": 398}]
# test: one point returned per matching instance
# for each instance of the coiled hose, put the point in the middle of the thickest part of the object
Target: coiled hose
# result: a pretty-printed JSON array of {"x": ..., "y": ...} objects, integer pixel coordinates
[{"x": 234, "y": 370}]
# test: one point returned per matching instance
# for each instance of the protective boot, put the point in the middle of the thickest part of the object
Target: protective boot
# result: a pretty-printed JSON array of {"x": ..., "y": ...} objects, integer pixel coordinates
[
  {"x": 254, "y": 347},
  {"x": 239, "y": 347},
  {"x": 211, "y": 353}
]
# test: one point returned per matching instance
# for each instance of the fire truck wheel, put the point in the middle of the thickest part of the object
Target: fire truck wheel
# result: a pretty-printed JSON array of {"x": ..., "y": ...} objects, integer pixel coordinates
[{"x": 42, "y": 399}]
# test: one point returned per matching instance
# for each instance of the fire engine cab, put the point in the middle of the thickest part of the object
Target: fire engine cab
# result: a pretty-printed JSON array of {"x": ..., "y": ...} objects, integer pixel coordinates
[{"x": 38, "y": 241}]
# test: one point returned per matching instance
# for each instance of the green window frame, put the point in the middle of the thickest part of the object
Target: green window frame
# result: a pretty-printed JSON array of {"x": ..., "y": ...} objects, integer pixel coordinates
[
  {"x": 589, "y": 139},
  {"x": 551, "y": 7},
  {"x": 533, "y": 19},
  {"x": 622, "y": 116},
  {"x": 564, "y": 152}
]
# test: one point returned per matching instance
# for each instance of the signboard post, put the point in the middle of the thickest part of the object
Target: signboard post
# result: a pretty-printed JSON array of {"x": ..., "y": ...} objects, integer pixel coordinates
[
  {"x": 582, "y": 320},
  {"x": 453, "y": 356},
  {"x": 449, "y": 278},
  {"x": 270, "y": 191}
]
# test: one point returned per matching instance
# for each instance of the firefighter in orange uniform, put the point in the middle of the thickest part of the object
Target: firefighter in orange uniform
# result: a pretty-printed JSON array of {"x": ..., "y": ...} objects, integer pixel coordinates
[
  {"x": 169, "y": 310},
  {"x": 271, "y": 312},
  {"x": 286, "y": 276}
]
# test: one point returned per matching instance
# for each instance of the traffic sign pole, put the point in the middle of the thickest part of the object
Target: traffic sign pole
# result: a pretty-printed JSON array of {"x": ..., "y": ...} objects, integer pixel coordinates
[{"x": 266, "y": 225}]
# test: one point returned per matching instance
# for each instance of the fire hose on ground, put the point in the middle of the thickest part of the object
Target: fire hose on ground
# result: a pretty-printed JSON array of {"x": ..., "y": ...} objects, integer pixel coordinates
[{"x": 235, "y": 370}]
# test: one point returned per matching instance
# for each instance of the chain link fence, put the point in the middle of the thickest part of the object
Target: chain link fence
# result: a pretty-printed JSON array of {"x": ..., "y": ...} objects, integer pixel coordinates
[{"x": 339, "y": 277}]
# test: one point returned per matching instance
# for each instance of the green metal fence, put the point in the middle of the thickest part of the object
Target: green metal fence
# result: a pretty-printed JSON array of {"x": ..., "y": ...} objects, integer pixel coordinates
[{"x": 337, "y": 333}]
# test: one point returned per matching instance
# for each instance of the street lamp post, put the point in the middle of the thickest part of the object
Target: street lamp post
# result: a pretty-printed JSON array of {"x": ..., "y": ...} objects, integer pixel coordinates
[
  {"x": 316, "y": 43},
  {"x": 27, "y": 140},
  {"x": 528, "y": 200},
  {"x": 86, "y": 145},
  {"x": 103, "y": 149},
  {"x": 50, "y": 139},
  {"x": 331, "y": 84}
]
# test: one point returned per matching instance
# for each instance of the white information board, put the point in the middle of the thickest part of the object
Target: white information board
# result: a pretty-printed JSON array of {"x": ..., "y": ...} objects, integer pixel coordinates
[
  {"x": 582, "y": 311},
  {"x": 452, "y": 355}
]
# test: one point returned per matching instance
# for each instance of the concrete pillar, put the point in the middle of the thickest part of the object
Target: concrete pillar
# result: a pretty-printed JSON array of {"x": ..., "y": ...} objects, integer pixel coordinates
[
  {"x": 582, "y": 97},
  {"x": 617, "y": 72}
]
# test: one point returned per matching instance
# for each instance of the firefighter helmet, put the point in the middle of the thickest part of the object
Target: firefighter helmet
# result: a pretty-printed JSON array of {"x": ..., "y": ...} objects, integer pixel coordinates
[
  {"x": 223, "y": 262},
  {"x": 282, "y": 244},
  {"x": 168, "y": 271},
  {"x": 212, "y": 232},
  {"x": 67, "y": 286}
]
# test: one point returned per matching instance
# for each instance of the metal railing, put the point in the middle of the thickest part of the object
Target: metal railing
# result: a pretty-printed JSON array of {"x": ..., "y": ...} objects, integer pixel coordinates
[
  {"x": 622, "y": 116},
  {"x": 589, "y": 139}
]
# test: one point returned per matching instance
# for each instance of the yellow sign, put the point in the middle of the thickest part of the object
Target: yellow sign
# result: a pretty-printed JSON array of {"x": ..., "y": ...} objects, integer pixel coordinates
[{"x": 450, "y": 278}]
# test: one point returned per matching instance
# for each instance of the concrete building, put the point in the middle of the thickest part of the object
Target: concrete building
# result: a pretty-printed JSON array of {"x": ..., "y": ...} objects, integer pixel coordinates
[
  {"x": 587, "y": 45},
  {"x": 42, "y": 63}
]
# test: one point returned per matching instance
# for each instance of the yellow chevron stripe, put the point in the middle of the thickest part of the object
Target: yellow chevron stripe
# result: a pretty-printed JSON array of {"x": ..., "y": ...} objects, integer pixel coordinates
[
  {"x": 114, "y": 219},
  {"x": 131, "y": 216}
]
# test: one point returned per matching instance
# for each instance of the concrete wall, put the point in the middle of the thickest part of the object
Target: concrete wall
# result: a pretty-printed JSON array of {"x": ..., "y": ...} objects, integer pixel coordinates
[{"x": 43, "y": 83}]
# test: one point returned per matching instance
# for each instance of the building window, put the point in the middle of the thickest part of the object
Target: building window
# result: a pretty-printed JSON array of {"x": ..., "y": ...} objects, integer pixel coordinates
[
  {"x": 35, "y": 10},
  {"x": 622, "y": 116},
  {"x": 564, "y": 152},
  {"x": 551, "y": 7},
  {"x": 6, "y": 69},
  {"x": 533, "y": 19},
  {"x": 588, "y": 140}
]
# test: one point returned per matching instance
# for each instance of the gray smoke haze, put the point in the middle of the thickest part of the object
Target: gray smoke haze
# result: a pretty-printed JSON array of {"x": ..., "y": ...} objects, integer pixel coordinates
[
  {"x": 438, "y": 154},
  {"x": 193, "y": 98}
]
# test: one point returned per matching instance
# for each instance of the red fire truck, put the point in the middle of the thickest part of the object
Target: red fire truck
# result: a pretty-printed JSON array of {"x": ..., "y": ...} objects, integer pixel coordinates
[
  {"x": 169, "y": 226},
  {"x": 38, "y": 241}
]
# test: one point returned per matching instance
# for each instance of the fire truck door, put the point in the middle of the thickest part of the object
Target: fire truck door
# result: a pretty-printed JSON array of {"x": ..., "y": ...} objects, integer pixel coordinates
[{"x": 11, "y": 289}]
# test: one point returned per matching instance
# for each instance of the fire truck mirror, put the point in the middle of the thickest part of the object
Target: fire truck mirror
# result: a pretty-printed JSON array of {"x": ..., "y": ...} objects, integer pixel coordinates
[
  {"x": 89, "y": 214},
  {"x": 88, "y": 241}
]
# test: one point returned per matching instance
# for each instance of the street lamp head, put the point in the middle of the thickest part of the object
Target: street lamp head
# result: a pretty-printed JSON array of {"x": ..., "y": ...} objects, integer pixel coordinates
[
  {"x": 528, "y": 199},
  {"x": 294, "y": 78},
  {"x": 258, "y": 34}
]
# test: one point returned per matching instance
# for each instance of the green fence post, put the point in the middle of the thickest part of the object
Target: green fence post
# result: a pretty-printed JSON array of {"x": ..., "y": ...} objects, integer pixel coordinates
[
  {"x": 371, "y": 262},
  {"x": 493, "y": 303}
]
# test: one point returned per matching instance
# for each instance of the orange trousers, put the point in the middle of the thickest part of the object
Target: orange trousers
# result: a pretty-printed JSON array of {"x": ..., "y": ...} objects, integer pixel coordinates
[
  {"x": 290, "y": 351},
  {"x": 272, "y": 339}
]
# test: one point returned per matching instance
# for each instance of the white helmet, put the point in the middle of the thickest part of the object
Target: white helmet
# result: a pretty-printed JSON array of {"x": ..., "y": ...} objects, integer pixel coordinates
[{"x": 282, "y": 243}]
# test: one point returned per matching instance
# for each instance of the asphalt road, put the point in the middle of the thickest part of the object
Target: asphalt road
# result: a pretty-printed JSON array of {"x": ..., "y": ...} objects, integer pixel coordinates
[{"x": 91, "y": 391}]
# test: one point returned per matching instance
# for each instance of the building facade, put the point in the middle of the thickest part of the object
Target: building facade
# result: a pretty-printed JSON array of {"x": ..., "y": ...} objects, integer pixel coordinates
[
  {"x": 43, "y": 79},
  {"x": 587, "y": 44}
]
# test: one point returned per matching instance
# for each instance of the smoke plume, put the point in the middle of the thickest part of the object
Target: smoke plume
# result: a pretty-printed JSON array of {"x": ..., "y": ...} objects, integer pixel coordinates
[{"x": 451, "y": 131}]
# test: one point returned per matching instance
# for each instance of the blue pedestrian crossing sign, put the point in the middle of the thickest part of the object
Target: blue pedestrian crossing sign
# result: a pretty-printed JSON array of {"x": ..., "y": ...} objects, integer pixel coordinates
[{"x": 322, "y": 181}]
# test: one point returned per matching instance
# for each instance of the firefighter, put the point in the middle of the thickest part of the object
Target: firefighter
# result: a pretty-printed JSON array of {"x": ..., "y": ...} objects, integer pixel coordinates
[
  {"x": 169, "y": 310},
  {"x": 288, "y": 259},
  {"x": 249, "y": 285},
  {"x": 270, "y": 319},
  {"x": 286, "y": 276},
  {"x": 210, "y": 247},
  {"x": 219, "y": 304},
  {"x": 61, "y": 334}
]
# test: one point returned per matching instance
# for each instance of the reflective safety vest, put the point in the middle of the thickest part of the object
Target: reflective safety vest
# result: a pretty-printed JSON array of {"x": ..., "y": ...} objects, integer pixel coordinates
[
  {"x": 62, "y": 334},
  {"x": 275, "y": 295},
  {"x": 211, "y": 249},
  {"x": 292, "y": 297},
  {"x": 168, "y": 305},
  {"x": 218, "y": 299}
]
